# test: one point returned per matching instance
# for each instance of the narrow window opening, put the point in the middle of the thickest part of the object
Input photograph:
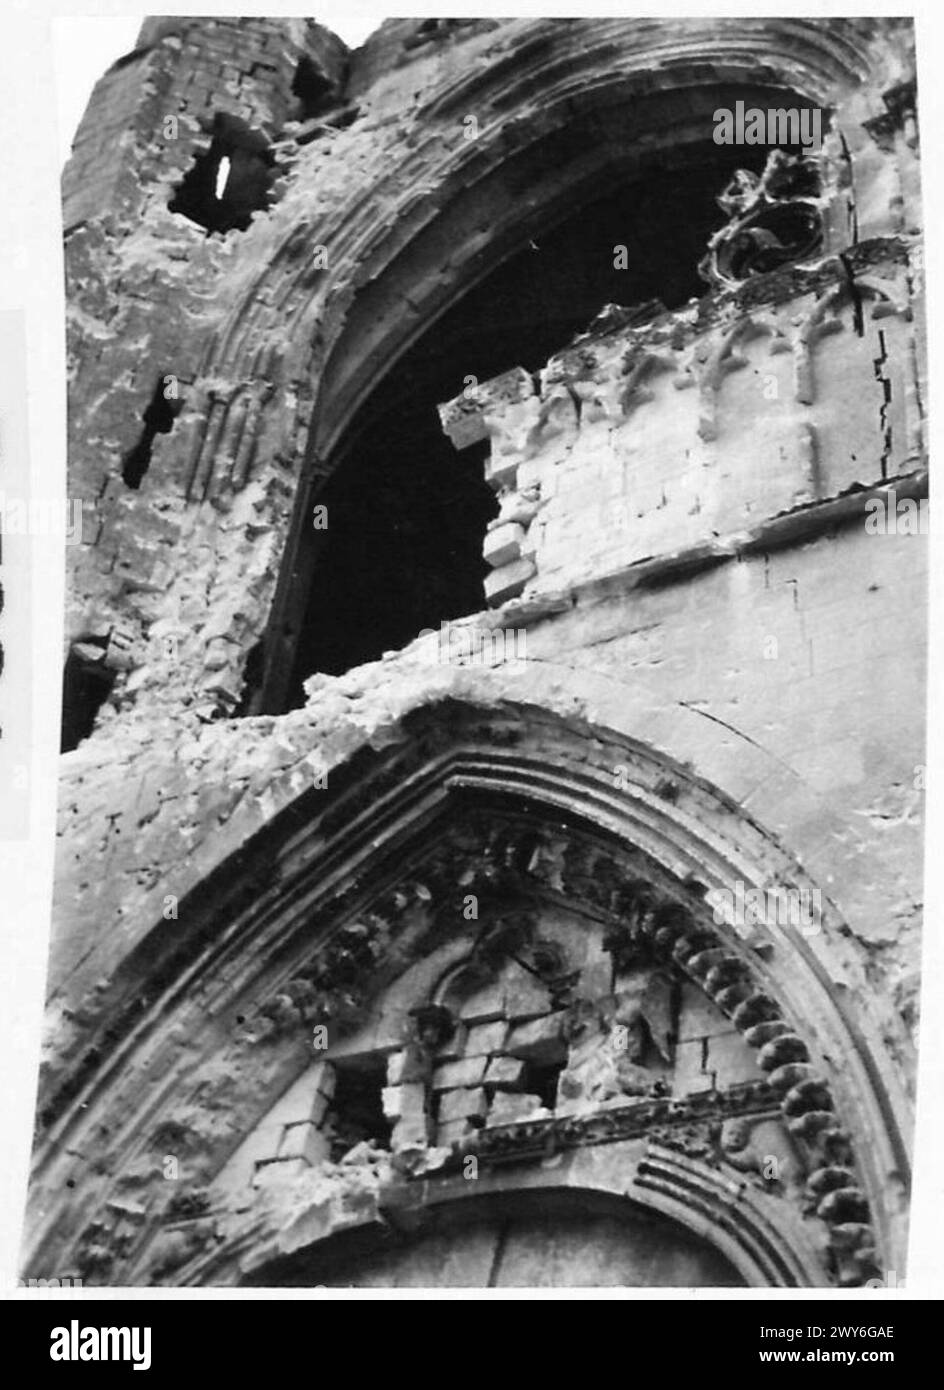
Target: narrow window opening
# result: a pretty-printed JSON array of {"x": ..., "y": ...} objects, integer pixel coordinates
[
  {"x": 222, "y": 176},
  {"x": 541, "y": 1078},
  {"x": 229, "y": 181},
  {"x": 159, "y": 416},
  {"x": 357, "y": 1113}
]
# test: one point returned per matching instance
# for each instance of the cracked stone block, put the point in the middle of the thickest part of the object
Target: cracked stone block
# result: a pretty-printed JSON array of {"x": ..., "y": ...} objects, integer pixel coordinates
[
  {"x": 725, "y": 1056},
  {"x": 404, "y": 1102},
  {"x": 506, "y": 1108},
  {"x": 732, "y": 1060},
  {"x": 538, "y": 1041},
  {"x": 464, "y": 417},
  {"x": 463, "y": 427},
  {"x": 505, "y": 1073},
  {"x": 503, "y": 544},
  {"x": 486, "y": 1038},
  {"x": 466, "y": 1072},
  {"x": 305, "y": 1141},
  {"x": 263, "y": 1143},
  {"x": 457, "y": 1105},
  {"x": 509, "y": 581},
  {"x": 689, "y": 1078}
]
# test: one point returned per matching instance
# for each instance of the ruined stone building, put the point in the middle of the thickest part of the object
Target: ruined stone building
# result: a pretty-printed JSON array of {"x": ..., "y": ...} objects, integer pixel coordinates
[{"x": 491, "y": 805}]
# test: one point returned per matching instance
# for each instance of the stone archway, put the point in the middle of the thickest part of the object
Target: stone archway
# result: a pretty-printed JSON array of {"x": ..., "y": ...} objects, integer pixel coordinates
[
  {"x": 537, "y": 1238},
  {"x": 607, "y": 115},
  {"x": 625, "y": 996},
  {"x": 331, "y": 903},
  {"x": 293, "y": 347}
]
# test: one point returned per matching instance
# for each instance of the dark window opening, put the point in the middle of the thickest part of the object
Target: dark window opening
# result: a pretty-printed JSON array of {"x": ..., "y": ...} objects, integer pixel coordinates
[
  {"x": 357, "y": 1114},
  {"x": 230, "y": 181},
  {"x": 541, "y": 1078},
  {"x": 86, "y": 686},
  {"x": 161, "y": 412},
  {"x": 408, "y": 513}
]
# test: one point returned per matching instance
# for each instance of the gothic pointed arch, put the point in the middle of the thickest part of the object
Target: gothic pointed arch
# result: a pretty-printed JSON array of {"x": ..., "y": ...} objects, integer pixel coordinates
[
  {"x": 596, "y": 866},
  {"x": 322, "y": 338}
]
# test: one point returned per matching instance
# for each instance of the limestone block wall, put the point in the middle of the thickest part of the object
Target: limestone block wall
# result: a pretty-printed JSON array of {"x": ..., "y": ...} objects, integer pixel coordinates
[
  {"x": 644, "y": 444},
  {"x": 509, "y": 1036}
]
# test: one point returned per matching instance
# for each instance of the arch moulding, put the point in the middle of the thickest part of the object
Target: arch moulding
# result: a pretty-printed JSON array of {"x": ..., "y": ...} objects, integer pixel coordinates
[{"x": 200, "y": 1028}]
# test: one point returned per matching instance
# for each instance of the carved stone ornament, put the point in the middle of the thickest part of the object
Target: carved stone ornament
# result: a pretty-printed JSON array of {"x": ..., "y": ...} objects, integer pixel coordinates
[{"x": 773, "y": 220}]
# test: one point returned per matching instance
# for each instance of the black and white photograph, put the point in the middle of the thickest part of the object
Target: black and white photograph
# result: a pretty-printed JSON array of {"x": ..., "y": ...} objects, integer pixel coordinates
[{"x": 486, "y": 823}]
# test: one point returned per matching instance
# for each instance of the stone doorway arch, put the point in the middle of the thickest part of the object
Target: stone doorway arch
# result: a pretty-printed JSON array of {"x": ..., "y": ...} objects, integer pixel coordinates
[
  {"x": 330, "y": 902},
  {"x": 538, "y": 1237}
]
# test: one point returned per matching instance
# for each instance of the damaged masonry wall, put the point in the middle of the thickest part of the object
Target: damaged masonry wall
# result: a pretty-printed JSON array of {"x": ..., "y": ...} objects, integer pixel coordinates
[
  {"x": 266, "y": 349},
  {"x": 681, "y": 526}
]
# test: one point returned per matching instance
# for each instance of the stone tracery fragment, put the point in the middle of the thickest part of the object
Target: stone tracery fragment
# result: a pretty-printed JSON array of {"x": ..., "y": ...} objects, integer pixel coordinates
[{"x": 773, "y": 220}]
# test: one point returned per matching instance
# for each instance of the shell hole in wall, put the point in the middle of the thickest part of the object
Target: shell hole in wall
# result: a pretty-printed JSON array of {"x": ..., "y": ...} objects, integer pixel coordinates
[{"x": 230, "y": 181}]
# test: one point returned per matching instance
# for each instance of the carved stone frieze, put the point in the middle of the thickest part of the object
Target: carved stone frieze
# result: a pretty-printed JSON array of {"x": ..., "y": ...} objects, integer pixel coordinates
[{"x": 510, "y": 867}]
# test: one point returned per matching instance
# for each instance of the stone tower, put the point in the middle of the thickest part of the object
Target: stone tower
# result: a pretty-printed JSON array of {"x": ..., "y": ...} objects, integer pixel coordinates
[{"x": 491, "y": 802}]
